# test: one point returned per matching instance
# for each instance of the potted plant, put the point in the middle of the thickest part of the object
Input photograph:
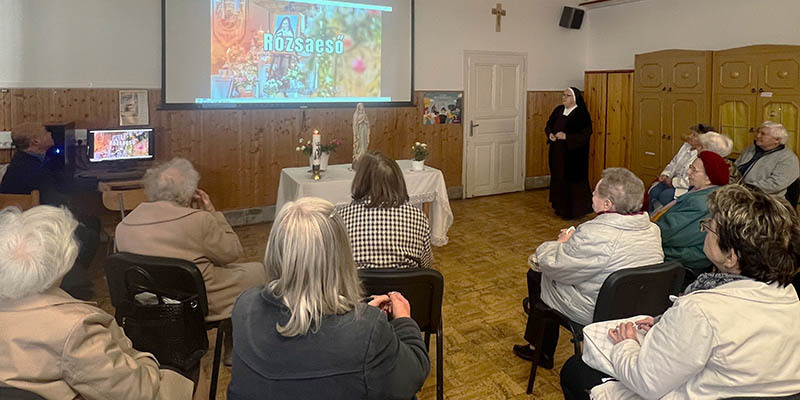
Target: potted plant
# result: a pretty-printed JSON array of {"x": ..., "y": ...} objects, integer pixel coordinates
[
  {"x": 420, "y": 152},
  {"x": 325, "y": 149}
]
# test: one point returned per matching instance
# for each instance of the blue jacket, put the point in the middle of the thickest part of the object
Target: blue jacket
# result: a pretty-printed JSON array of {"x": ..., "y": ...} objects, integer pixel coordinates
[
  {"x": 681, "y": 238},
  {"x": 357, "y": 355}
]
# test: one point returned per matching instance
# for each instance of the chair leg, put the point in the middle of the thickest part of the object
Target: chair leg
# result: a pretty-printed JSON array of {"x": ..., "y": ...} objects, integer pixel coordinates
[
  {"x": 439, "y": 363},
  {"x": 212, "y": 392},
  {"x": 428, "y": 341},
  {"x": 537, "y": 355}
]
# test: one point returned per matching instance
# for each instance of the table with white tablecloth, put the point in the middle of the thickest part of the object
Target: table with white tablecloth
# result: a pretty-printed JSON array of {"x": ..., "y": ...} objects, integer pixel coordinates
[{"x": 426, "y": 186}]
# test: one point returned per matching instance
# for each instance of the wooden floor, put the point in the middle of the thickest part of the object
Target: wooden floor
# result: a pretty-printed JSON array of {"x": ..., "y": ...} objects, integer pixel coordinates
[{"x": 484, "y": 266}]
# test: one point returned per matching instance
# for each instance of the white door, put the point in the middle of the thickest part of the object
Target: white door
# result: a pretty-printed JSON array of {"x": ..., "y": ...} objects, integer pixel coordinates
[{"x": 494, "y": 123}]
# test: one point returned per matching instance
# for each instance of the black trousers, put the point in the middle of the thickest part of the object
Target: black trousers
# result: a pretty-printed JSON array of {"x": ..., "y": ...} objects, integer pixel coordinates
[
  {"x": 577, "y": 379},
  {"x": 78, "y": 281},
  {"x": 550, "y": 339}
]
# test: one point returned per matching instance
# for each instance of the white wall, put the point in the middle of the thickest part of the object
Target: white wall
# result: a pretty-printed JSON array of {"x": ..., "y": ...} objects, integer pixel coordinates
[
  {"x": 80, "y": 43},
  {"x": 117, "y": 43},
  {"x": 616, "y": 34},
  {"x": 445, "y": 28}
]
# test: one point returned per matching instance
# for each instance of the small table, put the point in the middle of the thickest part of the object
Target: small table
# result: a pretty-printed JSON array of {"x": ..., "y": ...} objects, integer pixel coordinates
[{"x": 426, "y": 186}]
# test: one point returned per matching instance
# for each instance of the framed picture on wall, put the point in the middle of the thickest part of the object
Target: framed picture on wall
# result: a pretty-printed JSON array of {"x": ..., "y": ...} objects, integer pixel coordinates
[
  {"x": 442, "y": 107},
  {"x": 133, "y": 108}
]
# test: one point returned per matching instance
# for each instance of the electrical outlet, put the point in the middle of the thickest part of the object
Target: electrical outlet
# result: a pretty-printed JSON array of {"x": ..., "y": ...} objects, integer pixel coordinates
[
  {"x": 80, "y": 134},
  {"x": 5, "y": 139}
]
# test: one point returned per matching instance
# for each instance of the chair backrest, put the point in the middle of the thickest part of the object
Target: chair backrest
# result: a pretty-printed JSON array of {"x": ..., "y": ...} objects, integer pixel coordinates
[
  {"x": 171, "y": 274},
  {"x": 422, "y": 287},
  {"x": 123, "y": 200},
  {"x": 793, "y": 193},
  {"x": 23, "y": 201},
  {"x": 12, "y": 393},
  {"x": 640, "y": 290}
]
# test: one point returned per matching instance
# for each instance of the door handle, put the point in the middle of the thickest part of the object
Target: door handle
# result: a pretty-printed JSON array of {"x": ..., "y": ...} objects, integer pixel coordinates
[
  {"x": 649, "y": 153},
  {"x": 472, "y": 126}
]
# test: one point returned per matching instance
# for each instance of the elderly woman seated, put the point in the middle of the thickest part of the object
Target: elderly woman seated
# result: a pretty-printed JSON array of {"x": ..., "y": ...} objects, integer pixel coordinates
[
  {"x": 681, "y": 237},
  {"x": 566, "y": 274},
  {"x": 52, "y": 344},
  {"x": 674, "y": 179},
  {"x": 179, "y": 221},
  {"x": 307, "y": 334},
  {"x": 768, "y": 163},
  {"x": 734, "y": 332},
  {"x": 385, "y": 230}
]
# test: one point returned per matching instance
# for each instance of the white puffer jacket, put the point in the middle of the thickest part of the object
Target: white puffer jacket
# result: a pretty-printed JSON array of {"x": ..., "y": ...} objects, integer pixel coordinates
[
  {"x": 738, "y": 339},
  {"x": 573, "y": 272}
]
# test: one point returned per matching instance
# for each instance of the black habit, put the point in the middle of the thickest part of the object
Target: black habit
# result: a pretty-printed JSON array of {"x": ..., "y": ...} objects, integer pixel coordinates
[{"x": 570, "y": 194}]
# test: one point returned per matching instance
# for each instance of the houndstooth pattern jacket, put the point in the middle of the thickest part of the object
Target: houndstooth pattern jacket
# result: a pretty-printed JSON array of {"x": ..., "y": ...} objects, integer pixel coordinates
[{"x": 395, "y": 237}]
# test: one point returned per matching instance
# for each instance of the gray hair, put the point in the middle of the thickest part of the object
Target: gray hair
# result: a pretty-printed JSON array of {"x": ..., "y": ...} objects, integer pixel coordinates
[
  {"x": 310, "y": 265},
  {"x": 776, "y": 130},
  {"x": 623, "y": 188},
  {"x": 175, "y": 180},
  {"x": 38, "y": 248},
  {"x": 713, "y": 141}
]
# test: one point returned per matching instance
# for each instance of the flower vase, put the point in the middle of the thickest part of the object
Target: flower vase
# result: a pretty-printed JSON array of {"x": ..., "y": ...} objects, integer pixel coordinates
[
  {"x": 417, "y": 165},
  {"x": 323, "y": 161}
]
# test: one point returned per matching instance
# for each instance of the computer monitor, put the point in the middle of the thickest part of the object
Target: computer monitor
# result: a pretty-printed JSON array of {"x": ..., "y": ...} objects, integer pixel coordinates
[{"x": 116, "y": 146}]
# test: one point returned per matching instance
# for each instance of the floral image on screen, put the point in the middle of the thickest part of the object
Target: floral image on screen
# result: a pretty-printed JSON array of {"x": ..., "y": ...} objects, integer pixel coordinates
[{"x": 293, "y": 49}]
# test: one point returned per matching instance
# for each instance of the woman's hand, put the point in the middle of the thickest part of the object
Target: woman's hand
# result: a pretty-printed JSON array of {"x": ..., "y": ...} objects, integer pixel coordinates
[
  {"x": 561, "y": 136},
  {"x": 400, "y": 306},
  {"x": 383, "y": 302},
  {"x": 645, "y": 324},
  {"x": 551, "y": 137},
  {"x": 201, "y": 201},
  {"x": 623, "y": 332},
  {"x": 565, "y": 234}
]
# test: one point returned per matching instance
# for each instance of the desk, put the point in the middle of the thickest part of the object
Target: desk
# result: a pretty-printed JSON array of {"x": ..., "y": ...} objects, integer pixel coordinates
[{"x": 425, "y": 186}]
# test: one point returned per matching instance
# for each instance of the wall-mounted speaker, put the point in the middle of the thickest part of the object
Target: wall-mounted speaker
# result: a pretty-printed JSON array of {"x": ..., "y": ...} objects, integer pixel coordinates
[{"x": 571, "y": 18}]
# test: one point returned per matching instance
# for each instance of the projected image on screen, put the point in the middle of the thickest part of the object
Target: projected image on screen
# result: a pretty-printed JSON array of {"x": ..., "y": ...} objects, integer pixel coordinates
[
  {"x": 121, "y": 145},
  {"x": 274, "y": 50}
]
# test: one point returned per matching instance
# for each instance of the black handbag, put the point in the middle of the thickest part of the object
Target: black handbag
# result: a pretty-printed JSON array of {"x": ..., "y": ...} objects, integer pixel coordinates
[{"x": 173, "y": 329}]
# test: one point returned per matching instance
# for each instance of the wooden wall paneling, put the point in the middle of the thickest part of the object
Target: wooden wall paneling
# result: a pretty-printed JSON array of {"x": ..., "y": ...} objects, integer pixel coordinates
[
  {"x": 595, "y": 95},
  {"x": 539, "y": 106},
  {"x": 619, "y": 120}
]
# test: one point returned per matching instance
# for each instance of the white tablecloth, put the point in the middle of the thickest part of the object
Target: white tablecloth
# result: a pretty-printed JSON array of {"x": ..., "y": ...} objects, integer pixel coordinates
[{"x": 425, "y": 186}]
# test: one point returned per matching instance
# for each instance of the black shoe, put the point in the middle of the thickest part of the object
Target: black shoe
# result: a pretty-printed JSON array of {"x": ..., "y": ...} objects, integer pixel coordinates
[
  {"x": 526, "y": 305},
  {"x": 525, "y": 352}
]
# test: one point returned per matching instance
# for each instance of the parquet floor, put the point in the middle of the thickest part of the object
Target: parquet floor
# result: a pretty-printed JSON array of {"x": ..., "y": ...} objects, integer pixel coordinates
[{"x": 484, "y": 266}]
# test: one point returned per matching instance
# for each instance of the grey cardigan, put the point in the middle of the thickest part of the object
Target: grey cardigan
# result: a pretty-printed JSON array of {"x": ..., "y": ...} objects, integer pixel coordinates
[
  {"x": 356, "y": 355},
  {"x": 773, "y": 172}
]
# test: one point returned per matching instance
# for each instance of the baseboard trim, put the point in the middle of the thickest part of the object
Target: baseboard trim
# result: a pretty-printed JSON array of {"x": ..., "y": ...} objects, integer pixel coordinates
[{"x": 537, "y": 182}]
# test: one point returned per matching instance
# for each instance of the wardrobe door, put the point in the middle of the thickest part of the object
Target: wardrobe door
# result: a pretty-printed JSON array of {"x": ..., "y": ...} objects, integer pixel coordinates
[{"x": 595, "y": 96}]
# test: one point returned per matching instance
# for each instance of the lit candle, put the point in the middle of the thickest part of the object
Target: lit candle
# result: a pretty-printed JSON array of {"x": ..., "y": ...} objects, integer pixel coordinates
[{"x": 316, "y": 151}]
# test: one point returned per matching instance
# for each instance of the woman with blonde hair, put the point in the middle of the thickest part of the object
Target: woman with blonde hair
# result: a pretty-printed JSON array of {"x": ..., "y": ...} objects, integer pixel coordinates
[{"x": 307, "y": 334}]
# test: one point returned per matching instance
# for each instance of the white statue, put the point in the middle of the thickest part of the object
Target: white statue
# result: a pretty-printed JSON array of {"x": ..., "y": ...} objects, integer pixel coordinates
[{"x": 360, "y": 132}]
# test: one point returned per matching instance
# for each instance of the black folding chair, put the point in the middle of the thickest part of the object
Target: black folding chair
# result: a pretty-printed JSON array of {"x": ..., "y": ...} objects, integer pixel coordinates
[
  {"x": 625, "y": 293},
  {"x": 12, "y": 393},
  {"x": 793, "y": 193},
  {"x": 171, "y": 274},
  {"x": 424, "y": 289}
]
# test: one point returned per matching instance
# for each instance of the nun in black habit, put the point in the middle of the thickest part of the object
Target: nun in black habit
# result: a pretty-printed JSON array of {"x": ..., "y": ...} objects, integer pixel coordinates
[{"x": 568, "y": 131}]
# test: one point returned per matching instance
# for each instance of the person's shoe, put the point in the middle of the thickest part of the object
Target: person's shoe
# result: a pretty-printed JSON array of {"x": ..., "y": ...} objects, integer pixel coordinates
[
  {"x": 525, "y": 352},
  {"x": 227, "y": 359},
  {"x": 526, "y": 305}
]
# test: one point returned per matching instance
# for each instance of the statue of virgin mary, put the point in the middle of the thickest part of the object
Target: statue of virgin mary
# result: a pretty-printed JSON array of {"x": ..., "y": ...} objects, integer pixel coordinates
[{"x": 360, "y": 132}]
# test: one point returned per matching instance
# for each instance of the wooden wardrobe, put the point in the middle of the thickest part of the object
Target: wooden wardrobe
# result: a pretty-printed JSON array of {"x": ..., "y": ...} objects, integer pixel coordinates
[{"x": 609, "y": 98}]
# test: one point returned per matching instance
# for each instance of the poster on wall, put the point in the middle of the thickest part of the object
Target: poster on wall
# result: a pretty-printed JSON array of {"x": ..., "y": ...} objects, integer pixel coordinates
[
  {"x": 133, "y": 108},
  {"x": 442, "y": 107}
]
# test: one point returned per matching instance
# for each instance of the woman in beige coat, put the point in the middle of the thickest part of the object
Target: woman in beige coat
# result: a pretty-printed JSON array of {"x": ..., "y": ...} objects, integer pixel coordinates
[
  {"x": 179, "y": 221},
  {"x": 52, "y": 344}
]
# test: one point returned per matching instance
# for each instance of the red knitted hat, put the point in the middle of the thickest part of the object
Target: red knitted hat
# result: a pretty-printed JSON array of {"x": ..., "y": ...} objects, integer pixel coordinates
[{"x": 716, "y": 168}]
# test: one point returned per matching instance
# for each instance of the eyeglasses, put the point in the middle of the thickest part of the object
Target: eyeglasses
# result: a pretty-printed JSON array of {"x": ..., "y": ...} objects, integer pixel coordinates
[
  {"x": 705, "y": 226},
  {"x": 566, "y": 95}
]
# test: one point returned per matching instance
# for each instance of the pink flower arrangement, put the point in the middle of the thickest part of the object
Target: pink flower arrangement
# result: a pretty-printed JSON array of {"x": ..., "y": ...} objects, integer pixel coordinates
[{"x": 330, "y": 147}]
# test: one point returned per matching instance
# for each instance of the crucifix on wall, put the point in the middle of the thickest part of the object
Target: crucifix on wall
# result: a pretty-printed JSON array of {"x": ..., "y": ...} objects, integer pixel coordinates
[{"x": 499, "y": 12}]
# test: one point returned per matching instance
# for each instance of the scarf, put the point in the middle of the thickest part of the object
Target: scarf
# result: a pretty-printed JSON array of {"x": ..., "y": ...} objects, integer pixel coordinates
[{"x": 710, "y": 280}]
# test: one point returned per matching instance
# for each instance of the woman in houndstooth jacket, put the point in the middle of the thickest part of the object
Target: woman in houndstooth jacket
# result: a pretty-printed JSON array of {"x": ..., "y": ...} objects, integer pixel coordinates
[{"x": 385, "y": 230}]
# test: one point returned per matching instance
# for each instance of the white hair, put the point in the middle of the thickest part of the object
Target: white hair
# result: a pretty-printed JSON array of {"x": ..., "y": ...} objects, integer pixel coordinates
[
  {"x": 38, "y": 248},
  {"x": 175, "y": 180},
  {"x": 776, "y": 130},
  {"x": 310, "y": 265},
  {"x": 623, "y": 188},
  {"x": 713, "y": 141}
]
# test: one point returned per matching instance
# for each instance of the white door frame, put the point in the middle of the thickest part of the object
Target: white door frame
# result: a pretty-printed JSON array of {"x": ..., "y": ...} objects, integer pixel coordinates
[{"x": 466, "y": 121}]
